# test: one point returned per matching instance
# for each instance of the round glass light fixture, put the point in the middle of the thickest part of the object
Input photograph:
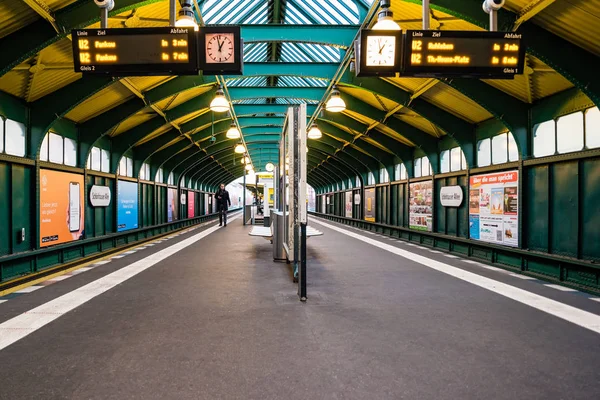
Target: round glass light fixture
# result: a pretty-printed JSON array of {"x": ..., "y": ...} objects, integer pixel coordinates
[
  {"x": 248, "y": 167},
  {"x": 385, "y": 18},
  {"x": 314, "y": 132},
  {"x": 335, "y": 102},
  {"x": 186, "y": 18},
  {"x": 233, "y": 132},
  {"x": 246, "y": 160},
  {"x": 240, "y": 149},
  {"x": 219, "y": 103},
  {"x": 269, "y": 167}
]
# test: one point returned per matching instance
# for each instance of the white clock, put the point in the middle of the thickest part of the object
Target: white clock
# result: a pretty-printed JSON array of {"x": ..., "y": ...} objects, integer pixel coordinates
[{"x": 381, "y": 51}]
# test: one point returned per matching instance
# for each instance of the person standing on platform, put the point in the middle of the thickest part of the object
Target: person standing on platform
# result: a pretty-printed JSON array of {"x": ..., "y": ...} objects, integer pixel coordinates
[{"x": 223, "y": 203}]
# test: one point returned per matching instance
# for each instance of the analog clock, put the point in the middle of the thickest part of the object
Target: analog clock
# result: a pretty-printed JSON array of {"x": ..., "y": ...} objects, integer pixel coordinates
[
  {"x": 381, "y": 50},
  {"x": 378, "y": 53},
  {"x": 220, "y": 48}
]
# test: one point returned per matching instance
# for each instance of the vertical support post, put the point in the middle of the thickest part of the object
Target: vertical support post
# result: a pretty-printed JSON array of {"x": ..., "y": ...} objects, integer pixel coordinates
[
  {"x": 244, "y": 200},
  {"x": 425, "y": 15},
  {"x": 302, "y": 272},
  {"x": 103, "y": 18},
  {"x": 493, "y": 21},
  {"x": 172, "y": 12}
]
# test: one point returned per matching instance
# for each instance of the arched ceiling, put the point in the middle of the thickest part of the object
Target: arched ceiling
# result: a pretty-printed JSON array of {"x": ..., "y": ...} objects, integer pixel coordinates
[{"x": 294, "y": 51}]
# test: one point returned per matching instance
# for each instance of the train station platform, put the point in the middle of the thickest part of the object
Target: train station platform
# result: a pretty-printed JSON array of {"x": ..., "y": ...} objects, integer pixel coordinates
[{"x": 207, "y": 314}]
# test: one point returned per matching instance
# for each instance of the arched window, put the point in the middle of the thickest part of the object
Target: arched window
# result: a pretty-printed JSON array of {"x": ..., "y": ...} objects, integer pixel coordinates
[{"x": 58, "y": 149}]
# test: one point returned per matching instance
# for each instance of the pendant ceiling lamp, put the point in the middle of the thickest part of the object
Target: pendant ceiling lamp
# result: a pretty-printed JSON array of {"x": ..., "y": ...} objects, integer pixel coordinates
[
  {"x": 219, "y": 103},
  {"x": 385, "y": 18},
  {"x": 335, "y": 102},
  {"x": 233, "y": 132},
  {"x": 240, "y": 149},
  {"x": 186, "y": 16},
  {"x": 314, "y": 132}
]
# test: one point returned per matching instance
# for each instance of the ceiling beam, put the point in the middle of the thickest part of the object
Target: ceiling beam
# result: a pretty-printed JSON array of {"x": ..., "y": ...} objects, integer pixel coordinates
[{"x": 532, "y": 9}]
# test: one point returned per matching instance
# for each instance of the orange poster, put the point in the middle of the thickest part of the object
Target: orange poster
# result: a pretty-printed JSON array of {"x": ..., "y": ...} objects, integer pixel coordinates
[{"x": 61, "y": 207}]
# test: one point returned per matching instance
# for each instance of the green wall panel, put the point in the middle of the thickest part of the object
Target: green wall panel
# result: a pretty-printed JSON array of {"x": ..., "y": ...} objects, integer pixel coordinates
[
  {"x": 590, "y": 209},
  {"x": 564, "y": 203},
  {"x": 535, "y": 217},
  {"x": 21, "y": 207},
  {"x": 5, "y": 208}
]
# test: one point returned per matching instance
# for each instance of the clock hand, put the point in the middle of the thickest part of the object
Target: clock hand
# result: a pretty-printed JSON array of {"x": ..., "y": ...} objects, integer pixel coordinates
[{"x": 221, "y": 44}]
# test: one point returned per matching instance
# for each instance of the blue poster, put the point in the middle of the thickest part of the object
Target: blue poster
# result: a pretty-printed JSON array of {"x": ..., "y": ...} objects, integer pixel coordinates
[
  {"x": 127, "y": 209},
  {"x": 474, "y": 226}
]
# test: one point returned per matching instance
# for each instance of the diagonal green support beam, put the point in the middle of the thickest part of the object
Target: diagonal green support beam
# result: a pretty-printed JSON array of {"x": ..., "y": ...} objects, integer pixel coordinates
[
  {"x": 462, "y": 131},
  {"x": 331, "y": 157},
  {"x": 40, "y": 34},
  {"x": 47, "y": 110},
  {"x": 574, "y": 63},
  {"x": 262, "y": 138},
  {"x": 254, "y": 130}
]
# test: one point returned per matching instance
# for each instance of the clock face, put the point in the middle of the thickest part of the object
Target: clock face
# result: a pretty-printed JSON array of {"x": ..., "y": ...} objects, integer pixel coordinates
[
  {"x": 220, "y": 48},
  {"x": 381, "y": 51}
]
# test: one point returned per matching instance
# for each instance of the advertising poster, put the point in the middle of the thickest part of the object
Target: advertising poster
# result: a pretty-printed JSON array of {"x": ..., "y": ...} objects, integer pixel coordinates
[
  {"x": 348, "y": 204},
  {"x": 206, "y": 205},
  {"x": 127, "y": 205},
  {"x": 191, "y": 204},
  {"x": 421, "y": 206},
  {"x": 370, "y": 205},
  {"x": 61, "y": 207},
  {"x": 172, "y": 206},
  {"x": 323, "y": 205},
  {"x": 493, "y": 208}
]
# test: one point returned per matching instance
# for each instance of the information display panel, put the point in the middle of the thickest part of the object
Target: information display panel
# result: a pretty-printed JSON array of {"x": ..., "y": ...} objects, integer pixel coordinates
[
  {"x": 135, "y": 51},
  {"x": 463, "y": 53}
]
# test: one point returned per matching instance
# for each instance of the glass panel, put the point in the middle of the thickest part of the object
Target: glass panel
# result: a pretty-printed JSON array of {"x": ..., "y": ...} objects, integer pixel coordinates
[
  {"x": 570, "y": 133},
  {"x": 70, "y": 152},
  {"x": 15, "y": 138},
  {"x": 513, "y": 150},
  {"x": 455, "y": 159},
  {"x": 592, "y": 128},
  {"x": 418, "y": 168},
  {"x": 425, "y": 170},
  {"x": 56, "y": 148},
  {"x": 123, "y": 166},
  {"x": 463, "y": 160},
  {"x": 88, "y": 165},
  {"x": 357, "y": 182},
  {"x": 403, "y": 174},
  {"x": 544, "y": 139},
  {"x": 129, "y": 167},
  {"x": 500, "y": 149},
  {"x": 484, "y": 157},
  {"x": 445, "y": 161},
  {"x": 159, "y": 175},
  {"x": 44, "y": 149},
  {"x": 105, "y": 161},
  {"x": 143, "y": 172},
  {"x": 1, "y": 135}
]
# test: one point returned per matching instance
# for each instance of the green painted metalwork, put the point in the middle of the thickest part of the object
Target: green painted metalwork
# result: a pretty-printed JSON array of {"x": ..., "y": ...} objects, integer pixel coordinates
[
  {"x": 261, "y": 109},
  {"x": 334, "y": 35},
  {"x": 317, "y": 70},
  {"x": 306, "y": 93}
]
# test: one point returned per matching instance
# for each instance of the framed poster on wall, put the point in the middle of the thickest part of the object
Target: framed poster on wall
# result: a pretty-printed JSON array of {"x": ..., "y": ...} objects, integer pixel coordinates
[
  {"x": 62, "y": 208},
  {"x": 421, "y": 206},
  {"x": 348, "y": 204},
  {"x": 127, "y": 211},
  {"x": 494, "y": 208},
  {"x": 370, "y": 205}
]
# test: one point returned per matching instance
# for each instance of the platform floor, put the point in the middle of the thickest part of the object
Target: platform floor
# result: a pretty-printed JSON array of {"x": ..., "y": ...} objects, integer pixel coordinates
[{"x": 219, "y": 320}]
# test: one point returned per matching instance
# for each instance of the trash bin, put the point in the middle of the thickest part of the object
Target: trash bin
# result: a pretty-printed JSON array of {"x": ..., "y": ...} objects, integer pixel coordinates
[{"x": 278, "y": 233}]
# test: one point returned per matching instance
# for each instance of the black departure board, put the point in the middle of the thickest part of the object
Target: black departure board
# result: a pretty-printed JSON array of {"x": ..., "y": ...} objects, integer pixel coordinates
[
  {"x": 135, "y": 51},
  {"x": 477, "y": 54}
]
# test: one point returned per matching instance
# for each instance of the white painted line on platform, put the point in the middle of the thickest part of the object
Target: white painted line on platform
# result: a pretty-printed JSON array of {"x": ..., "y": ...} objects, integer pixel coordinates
[
  {"x": 150, "y": 244},
  {"x": 119, "y": 256},
  {"x": 595, "y": 299},
  {"x": 568, "y": 313},
  {"x": 450, "y": 256},
  {"x": 129, "y": 252},
  {"x": 434, "y": 251},
  {"x": 495, "y": 269},
  {"x": 29, "y": 289},
  {"x": 561, "y": 288},
  {"x": 525, "y": 277},
  {"x": 18, "y": 327},
  {"x": 96, "y": 264},
  {"x": 3, "y": 301}
]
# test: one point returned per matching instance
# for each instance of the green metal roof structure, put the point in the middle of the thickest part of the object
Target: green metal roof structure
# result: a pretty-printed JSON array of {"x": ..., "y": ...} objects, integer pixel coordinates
[{"x": 295, "y": 51}]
